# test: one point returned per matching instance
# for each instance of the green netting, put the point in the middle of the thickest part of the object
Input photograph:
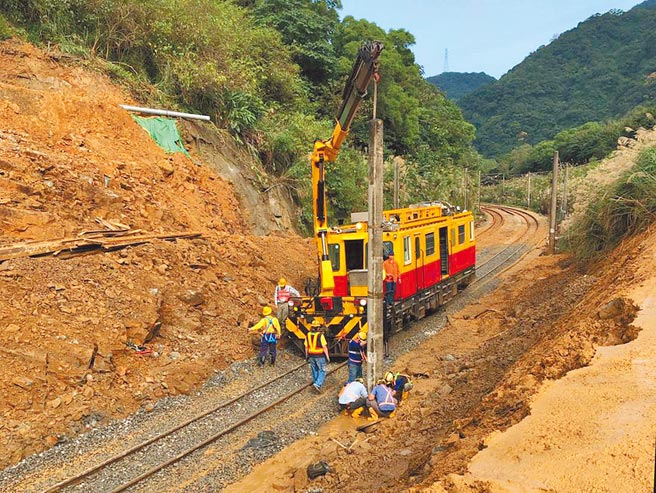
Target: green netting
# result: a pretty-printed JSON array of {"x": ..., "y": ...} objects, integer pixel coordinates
[{"x": 163, "y": 131}]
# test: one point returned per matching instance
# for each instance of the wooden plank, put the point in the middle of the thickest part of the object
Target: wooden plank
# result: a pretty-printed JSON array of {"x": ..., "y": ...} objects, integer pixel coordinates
[{"x": 33, "y": 249}]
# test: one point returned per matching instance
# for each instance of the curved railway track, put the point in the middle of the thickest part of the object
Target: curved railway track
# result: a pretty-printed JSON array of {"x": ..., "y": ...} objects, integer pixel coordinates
[
  {"x": 134, "y": 463},
  {"x": 515, "y": 250}
]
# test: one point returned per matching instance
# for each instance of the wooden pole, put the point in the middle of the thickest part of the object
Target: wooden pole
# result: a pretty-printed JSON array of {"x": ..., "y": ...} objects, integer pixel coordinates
[
  {"x": 375, "y": 347},
  {"x": 551, "y": 247}
]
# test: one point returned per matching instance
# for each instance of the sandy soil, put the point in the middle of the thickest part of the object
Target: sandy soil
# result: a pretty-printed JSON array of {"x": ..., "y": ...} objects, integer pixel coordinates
[{"x": 69, "y": 155}]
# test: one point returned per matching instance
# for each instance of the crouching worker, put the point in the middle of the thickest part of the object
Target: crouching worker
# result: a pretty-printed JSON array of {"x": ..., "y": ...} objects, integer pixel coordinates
[
  {"x": 353, "y": 397},
  {"x": 270, "y": 334},
  {"x": 400, "y": 383},
  {"x": 381, "y": 401}
]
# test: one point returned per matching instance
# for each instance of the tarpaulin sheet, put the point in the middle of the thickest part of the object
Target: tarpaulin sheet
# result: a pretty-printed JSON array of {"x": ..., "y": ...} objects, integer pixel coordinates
[{"x": 163, "y": 131}]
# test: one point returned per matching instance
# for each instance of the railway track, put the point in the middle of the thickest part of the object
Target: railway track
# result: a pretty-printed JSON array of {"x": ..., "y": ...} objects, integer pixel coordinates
[
  {"x": 515, "y": 250},
  {"x": 147, "y": 460},
  {"x": 135, "y": 464}
]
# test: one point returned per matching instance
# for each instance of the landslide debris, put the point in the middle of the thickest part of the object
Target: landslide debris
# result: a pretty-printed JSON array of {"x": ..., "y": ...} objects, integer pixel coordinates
[{"x": 93, "y": 336}]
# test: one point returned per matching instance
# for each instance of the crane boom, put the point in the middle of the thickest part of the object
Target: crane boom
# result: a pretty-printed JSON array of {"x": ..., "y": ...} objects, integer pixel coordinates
[{"x": 364, "y": 69}]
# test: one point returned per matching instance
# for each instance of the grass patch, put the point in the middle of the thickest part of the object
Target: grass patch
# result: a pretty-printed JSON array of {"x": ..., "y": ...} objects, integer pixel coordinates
[
  {"x": 6, "y": 31},
  {"x": 622, "y": 209}
]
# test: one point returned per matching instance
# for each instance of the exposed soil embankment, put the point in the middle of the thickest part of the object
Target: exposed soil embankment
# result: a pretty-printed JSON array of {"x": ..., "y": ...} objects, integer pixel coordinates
[{"x": 71, "y": 326}]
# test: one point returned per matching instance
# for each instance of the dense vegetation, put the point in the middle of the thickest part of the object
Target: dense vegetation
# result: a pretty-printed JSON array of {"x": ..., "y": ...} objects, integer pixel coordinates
[
  {"x": 456, "y": 85},
  {"x": 271, "y": 72},
  {"x": 602, "y": 69},
  {"x": 586, "y": 143}
]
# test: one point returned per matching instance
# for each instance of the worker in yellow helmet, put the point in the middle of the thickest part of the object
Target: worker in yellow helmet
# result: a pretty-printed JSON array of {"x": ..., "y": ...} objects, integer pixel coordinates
[
  {"x": 281, "y": 296},
  {"x": 316, "y": 352},
  {"x": 381, "y": 400},
  {"x": 270, "y": 329},
  {"x": 357, "y": 354}
]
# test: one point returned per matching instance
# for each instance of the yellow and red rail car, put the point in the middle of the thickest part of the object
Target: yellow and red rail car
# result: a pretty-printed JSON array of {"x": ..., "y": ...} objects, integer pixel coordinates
[{"x": 435, "y": 248}]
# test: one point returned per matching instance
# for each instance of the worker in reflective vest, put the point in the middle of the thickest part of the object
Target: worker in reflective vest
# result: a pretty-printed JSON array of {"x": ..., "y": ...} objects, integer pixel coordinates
[
  {"x": 381, "y": 401},
  {"x": 270, "y": 334},
  {"x": 357, "y": 351},
  {"x": 316, "y": 352},
  {"x": 281, "y": 296}
]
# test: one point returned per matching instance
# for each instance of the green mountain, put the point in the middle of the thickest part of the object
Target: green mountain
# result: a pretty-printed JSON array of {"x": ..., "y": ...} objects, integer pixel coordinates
[
  {"x": 458, "y": 84},
  {"x": 600, "y": 69}
]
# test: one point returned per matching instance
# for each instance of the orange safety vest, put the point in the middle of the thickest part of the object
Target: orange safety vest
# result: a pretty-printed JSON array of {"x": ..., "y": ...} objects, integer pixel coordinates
[
  {"x": 391, "y": 269},
  {"x": 314, "y": 344}
]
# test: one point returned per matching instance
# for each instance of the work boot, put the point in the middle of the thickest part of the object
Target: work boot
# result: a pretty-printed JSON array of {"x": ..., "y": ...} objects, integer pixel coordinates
[
  {"x": 260, "y": 362},
  {"x": 373, "y": 415},
  {"x": 273, "y": 361},
  {"x": 357, "y": 412}
]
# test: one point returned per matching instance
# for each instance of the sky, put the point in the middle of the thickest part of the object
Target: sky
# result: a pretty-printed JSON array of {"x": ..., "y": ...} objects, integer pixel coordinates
[{"x": 490, "y": 36}]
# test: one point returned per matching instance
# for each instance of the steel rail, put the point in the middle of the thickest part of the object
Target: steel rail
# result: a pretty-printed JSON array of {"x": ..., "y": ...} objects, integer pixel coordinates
[
  {"x": 218, "y": 435},
  {"x": 88, "y": 472},
  {"x": 533, "y": 222}
]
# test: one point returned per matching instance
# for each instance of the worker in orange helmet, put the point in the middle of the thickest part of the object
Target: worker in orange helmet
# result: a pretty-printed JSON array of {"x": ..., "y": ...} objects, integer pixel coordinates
[
  {"x": 281, "y": 296},
  {"x": 270, "y": 328}
]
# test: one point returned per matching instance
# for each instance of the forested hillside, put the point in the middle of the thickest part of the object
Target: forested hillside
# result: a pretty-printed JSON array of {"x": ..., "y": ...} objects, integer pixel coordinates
[
  {"x": 601, "y": 69},
  {"x": 456, "y": 85},
  {"x": 269, "y": 71}
]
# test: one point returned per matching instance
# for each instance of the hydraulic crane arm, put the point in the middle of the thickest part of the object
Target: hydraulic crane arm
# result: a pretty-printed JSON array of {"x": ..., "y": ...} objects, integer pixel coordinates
[{"x": 364, "y": 69}]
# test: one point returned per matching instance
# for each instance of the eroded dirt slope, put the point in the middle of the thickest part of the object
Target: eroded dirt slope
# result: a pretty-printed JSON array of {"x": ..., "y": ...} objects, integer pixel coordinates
[{"x": 69, "y": 157}]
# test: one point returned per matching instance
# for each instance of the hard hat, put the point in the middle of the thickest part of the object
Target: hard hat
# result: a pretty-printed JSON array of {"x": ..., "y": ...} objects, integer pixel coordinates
[
  {"x": 359, "y": 379},
  {"x": 316, "y": 323},
  {"x": 362, "y": 336},
  {"x": 389, "y": 377},
  {"x": 266, "y": 311},
  {"x": 282, "y": 282}
]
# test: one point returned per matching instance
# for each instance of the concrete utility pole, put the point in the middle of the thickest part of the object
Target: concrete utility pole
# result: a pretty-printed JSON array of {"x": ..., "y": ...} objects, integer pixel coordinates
[
  {"x": 563, "y": 206},
  {"x": 479, "y": 190},
  {"x": 551, "y": 247},
  {"x": 396, "y": 182},
  {"x": 466, "y": 180},
  {"x": 375, "y": 348},
  {"x": 528, "y": 191}
]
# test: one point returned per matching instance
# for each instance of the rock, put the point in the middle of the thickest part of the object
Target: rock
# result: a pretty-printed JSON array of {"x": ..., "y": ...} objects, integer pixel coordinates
[
  {"x": 55, "y": 403},
  {"x": 22, "y": 382},
  {"x": 166, "y": 166},
  {"x": 51, "y": 440},
  {"x": 445, "y": 389},
  {"x": 11, "y": 328},
  {"x": 192, "y": 297}
]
